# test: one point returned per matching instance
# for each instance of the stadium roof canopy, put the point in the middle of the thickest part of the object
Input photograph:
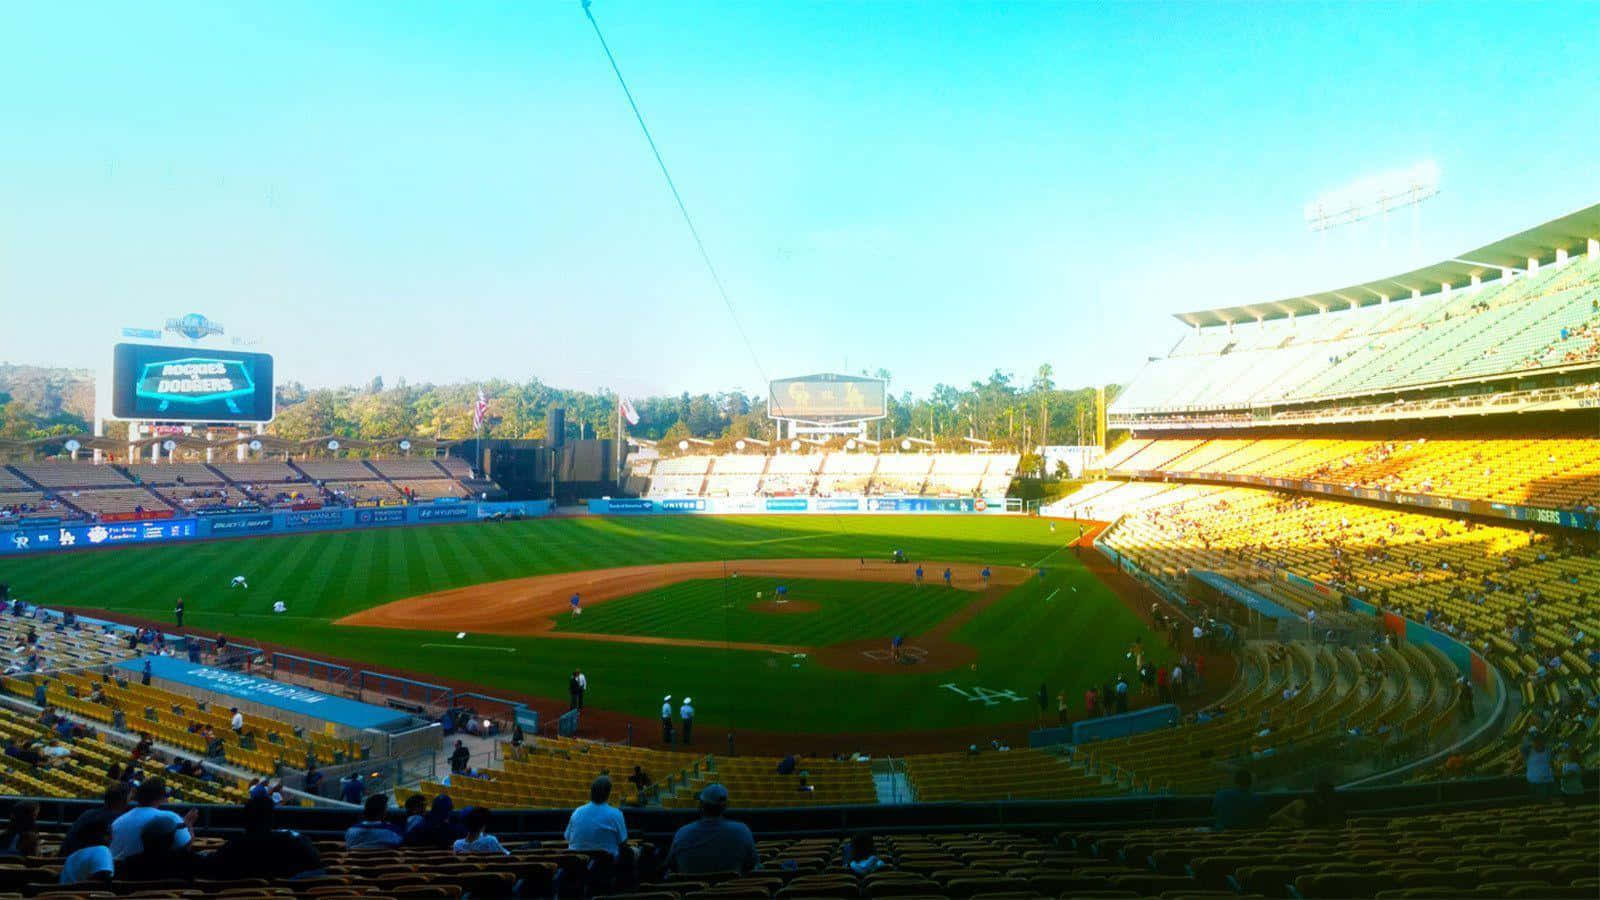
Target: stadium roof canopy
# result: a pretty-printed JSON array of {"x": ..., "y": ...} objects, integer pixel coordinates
[{"x": 1569, "y": 232}]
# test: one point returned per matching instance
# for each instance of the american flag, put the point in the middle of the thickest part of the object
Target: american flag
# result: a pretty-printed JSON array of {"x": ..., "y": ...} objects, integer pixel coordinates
[
  {"x": 479, "y": 409},
  {"x": 628, "y": 412}
]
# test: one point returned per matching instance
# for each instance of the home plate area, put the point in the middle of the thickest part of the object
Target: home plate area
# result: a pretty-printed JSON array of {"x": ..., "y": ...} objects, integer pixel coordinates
[{"x": 910, "y": 654}]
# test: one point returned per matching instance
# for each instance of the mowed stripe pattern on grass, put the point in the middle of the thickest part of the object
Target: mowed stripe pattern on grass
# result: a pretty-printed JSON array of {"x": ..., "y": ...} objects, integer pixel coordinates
[
  {"x": 328, "y": 575},
  {"x": 726, "y": 609}
]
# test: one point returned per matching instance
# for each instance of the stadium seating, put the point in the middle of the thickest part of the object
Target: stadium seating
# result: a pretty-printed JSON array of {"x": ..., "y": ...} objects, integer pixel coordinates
[
  {"x": 407, "y": 469},
  {"x": 334, "y": 469},
  {"x": 846, "y": 473},
  {"x": 901, "y": 473},
  {"x": 432, "y": 488},
  {"x": 70, "y": 475},
  {"x": 1555, "y": 472},
  {"x": 825, "y": 474},
  {"x": 1508, "y": 326},
  {"x": 791, "y": 474},
  {"x": 116, "y": 501},
  {"x": 1526, "y": 600},
  {"x": 22, "y": 505}
]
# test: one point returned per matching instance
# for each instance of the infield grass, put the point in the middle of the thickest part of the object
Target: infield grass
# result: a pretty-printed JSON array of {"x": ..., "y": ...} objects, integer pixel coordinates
[
  {"x": 1066, "y": 630},
  {"x": 727, "y": 609}
]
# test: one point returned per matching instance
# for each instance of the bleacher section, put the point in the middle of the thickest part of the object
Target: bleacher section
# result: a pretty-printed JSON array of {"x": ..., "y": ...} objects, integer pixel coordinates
[
  {"x": 1523, "y": 324},
  {"x": 791, "y": 475},
  {"x": 73, "y": 491},
  {"x": 1555, "y": 473},
  {"x": 1530, "y": 602}
]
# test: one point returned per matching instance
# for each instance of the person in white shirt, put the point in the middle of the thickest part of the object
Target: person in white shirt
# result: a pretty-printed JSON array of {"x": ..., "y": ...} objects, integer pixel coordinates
[
  {"x": 583, "y": 685},
  {"x": 127, "y": 832},
  {"x": 666, "y": 720},
  {"x": 686, "y": 713},
  {"x": 278, "y": 607},
  {"x": 237, "y": 722},
  {"x": 239, "y": 582},
  {"x": 478, "y": 839},
  {"x": 92, "y": 861},
  {"x": 597, "y": 825}
]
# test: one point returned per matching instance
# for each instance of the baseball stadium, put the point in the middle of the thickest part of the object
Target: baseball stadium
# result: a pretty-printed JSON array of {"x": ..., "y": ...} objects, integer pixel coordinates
[{"x": 1308, "y": 607}]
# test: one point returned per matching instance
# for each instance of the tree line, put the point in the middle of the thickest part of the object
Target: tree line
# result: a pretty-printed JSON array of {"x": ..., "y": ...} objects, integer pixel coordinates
[{"x": 1011, "y": 414}]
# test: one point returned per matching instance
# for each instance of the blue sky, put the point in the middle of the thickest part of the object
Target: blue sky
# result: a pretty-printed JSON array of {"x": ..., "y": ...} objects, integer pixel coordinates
[{"x": 458, "y": 191}]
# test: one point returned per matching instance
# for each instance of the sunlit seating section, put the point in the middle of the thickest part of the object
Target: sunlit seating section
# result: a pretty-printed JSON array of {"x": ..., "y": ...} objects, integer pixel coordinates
[
  {"x": 426, "y": 489},
  {"x": 163, "y": 474},
  {"x": 71, "y": 475},
  {"x": 116, "y": 501},
  {"x": 257, "y": 472},
  {"x": 997, "y": 478},
  {"x": 23, "y": 505},
  {"x": 409, "y": 469},
  {"x": 901, "y": 473},
  {"x": 1554, "y": 472},
  {"x": 846, "y": 473},
  {"x": 361, "y": 491},
  {"x": 335, "y": 469},
  {"x": 791, "y": 474}
]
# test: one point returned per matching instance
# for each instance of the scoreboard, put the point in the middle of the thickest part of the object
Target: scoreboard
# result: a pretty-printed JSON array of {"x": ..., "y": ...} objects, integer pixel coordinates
[{"x": 162, "y": 383}]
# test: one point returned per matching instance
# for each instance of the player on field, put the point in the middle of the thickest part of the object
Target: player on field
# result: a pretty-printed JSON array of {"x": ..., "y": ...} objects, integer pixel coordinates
[
  {"x": 577, "y": 608},
  {"x": 239, "y": 582}
]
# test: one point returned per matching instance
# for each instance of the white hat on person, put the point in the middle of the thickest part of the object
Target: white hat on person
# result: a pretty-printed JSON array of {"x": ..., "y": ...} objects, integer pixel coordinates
[
  {"x": 666, "y": 698},
  {"x": 687, "y": 700}
]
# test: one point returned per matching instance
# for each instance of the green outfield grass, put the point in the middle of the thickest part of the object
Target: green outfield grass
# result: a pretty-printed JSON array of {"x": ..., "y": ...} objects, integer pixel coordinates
[
  {"x": 1065, "y": 630},
  {"x": 726, "y": 609}
]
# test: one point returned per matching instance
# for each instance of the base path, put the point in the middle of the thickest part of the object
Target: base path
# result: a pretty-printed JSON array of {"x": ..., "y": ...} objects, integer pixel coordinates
[{"x": 532, "y": 606}]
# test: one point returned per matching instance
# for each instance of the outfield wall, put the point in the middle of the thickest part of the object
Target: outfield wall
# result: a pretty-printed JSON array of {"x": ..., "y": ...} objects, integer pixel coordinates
[
  {"x": 728, "y": 506},
  {"x": 29, "y": 539}
]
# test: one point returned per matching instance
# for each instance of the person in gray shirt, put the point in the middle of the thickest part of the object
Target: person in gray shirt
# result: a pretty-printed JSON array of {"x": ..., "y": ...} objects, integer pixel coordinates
[{"x": 713, "y": 843}]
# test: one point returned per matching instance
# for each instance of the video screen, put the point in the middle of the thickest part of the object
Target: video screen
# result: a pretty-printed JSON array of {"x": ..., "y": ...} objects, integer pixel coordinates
[
  {"x": 827, "y": 397},
  {"x": 190, "y": 384}
]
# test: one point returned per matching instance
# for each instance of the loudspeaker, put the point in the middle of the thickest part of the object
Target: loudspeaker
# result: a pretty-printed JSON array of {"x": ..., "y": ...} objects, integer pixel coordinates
[{"x": 556, "y": 426}]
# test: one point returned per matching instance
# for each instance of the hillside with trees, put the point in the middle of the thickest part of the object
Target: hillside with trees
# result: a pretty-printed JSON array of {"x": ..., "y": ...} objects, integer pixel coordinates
[{"x": 36, "y": 402}]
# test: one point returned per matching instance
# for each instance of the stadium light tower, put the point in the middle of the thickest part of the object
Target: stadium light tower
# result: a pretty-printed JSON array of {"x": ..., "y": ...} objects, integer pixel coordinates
[{"x": 1372, "y": 196}]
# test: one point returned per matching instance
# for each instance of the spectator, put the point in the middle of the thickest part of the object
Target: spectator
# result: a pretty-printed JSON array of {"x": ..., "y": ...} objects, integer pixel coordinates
[
  {"x": 459, "y": 758},
  {"x": 313, "y": 778},
  {"x": 597, "y": 825},
  {"x": 114, "y": 804},
  {"x": 861, "y": 858},
  {"x": 128, "y": 829},
  {"x": 91, "y": 861},
  {"x": 415, "y": 809},
  {"x": 1540, "y": 771},
  {"x": 161, "y": 856},
  {"x": 787, "y": 765},
  {"x": 1323, "y": 809},
  {"x": 266, "y": 852},
  {"x": 1238, "y": 806},
  {"x": 351, "y": 788},
  {"x": 478, "y": 839},
  {"x": 237, "y": 722},
  {"x": 640, "y": 779},
  {"x": 21, "y": 837},
  {"x": 373, "y": 831},
  {"x": 713, "y": 843},
  {"x": 437, "y": 828}
]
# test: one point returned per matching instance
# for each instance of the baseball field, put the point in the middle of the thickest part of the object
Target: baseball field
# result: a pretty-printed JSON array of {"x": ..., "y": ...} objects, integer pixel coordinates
[{"x": 772, "y": 624}]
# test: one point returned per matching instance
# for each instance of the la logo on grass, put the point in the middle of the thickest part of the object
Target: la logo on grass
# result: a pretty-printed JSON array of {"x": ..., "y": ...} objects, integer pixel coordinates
[{"x": 986, "y": 696}]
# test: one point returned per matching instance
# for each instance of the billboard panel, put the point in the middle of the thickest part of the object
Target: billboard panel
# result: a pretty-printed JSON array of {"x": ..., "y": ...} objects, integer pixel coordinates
[
  {"x": 827, "y": 397},
  {"x": 190, "y": 384}
]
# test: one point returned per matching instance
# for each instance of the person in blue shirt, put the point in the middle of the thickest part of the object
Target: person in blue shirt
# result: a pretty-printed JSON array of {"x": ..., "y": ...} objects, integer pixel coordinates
[
  {"x": 919, "y": 574},
  {"x": 351, "y": 789},
  {"x": 597, "y": 825},
  {"x": 947, "y": 576},
  {"x": 986, "y": 575},
  {"x": 1238, "y": 806},
  {"x": 713, "y": 843},
  {"x": 373, "y": 831}
]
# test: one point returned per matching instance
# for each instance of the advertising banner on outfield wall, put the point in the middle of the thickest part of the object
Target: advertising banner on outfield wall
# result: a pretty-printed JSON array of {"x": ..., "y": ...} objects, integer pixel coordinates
[
  {"x": 36, "y": 537},
  {"x": 796, "y": 505}
]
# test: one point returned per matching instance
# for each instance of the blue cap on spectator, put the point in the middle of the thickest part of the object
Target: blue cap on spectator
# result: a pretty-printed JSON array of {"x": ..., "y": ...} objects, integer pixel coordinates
[{"x": 714, "y": 793}]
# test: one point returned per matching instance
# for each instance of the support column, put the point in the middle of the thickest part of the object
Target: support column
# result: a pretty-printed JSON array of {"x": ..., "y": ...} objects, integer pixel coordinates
[
  {"x": 1444, "y": 291},
  {"x": 1561, "y": 257},
  {"x": 1533, "y": 265},
  {"x": 1477, "y": 284},
  {"x": 1507, "y": 275},
  {"x": 1594, "y": 248}
]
